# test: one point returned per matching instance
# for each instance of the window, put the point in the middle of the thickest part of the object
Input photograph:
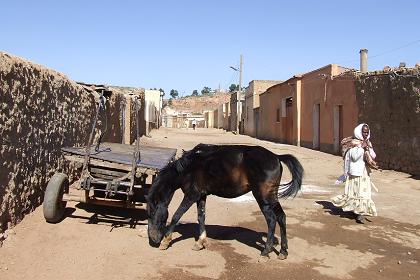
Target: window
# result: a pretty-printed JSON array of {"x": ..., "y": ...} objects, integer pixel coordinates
[{"x": 283, "y": 108}]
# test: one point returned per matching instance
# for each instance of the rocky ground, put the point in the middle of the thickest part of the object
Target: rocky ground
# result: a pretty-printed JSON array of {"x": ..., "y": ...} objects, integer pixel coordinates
[
  {"x": 198, "y": 104},
  {"x": 324, "y": 242}
]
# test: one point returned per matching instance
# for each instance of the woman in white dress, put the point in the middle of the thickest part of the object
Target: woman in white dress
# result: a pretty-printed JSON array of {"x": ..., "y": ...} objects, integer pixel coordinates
[{"x": 358, "y": 187}]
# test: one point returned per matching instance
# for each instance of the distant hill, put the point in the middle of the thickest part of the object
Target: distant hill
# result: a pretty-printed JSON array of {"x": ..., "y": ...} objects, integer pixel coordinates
[{"x": 197, "y": 104}]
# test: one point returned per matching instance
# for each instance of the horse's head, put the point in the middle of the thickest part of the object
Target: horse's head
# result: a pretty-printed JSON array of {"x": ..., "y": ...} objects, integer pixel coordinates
[
  {"x": 158, "y": 199},
  {"x": 162, "y": 190},
  {"x": 157, "y": 213}
]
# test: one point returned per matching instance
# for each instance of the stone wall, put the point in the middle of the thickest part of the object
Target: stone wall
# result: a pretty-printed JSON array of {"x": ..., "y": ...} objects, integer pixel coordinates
[
  {"x": 390, "y": 103},
  {"x": 40, "y": 111}
]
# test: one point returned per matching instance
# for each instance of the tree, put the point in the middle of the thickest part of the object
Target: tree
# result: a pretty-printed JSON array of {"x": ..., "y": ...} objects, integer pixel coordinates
[
  {"x": 195, "y": 92},
  {"x": 233, "y": 88},
  {"x": 162, "y": 92},
  {"x": 206, "y": 91},
  {"x": 174, "y": 93}
]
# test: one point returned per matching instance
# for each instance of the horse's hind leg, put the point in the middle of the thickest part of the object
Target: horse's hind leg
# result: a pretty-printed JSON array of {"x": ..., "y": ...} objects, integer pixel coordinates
[
  {"x": 270, "y": 217},
  {"x": 281, "y": 219},
  {"x": 186, "y": 203},
  {"x": 201, "y": 213}
]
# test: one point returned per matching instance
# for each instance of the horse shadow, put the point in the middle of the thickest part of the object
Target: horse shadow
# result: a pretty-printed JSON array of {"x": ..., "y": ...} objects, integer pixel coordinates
[
  {"x": 243, "y": 235},
  {"x": 415, "y": 177},
  {"x": 120, "y": 217}
]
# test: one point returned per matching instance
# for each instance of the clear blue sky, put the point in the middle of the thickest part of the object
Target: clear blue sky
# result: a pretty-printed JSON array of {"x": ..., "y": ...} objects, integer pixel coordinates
[{"x": 186, "y": 44}]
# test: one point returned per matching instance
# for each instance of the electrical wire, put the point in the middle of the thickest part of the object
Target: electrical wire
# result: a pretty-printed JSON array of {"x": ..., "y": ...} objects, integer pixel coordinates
[
  {"x": 396, "y": 49},
  {"x": 383, "y": 53}
]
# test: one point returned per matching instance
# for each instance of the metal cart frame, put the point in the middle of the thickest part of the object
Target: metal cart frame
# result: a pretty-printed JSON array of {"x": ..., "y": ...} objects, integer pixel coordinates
[{"x": 112, "y": 174}]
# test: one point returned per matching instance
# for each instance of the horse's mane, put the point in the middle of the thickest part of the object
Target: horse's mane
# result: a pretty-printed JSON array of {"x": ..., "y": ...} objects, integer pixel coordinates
[
  {"x": 165, "y": 174},
  {"x": 199, "y": 151},
  {"x": 173, "y": 170}
]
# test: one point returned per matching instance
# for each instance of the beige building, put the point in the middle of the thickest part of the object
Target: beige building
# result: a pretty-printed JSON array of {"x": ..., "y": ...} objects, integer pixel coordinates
[
  {"x": 209, "y": 119},
  {"x": 175, "y": 119},
  {"x": 251, "y": 105},
  {"x": 169, "y": 117},
  {"x": 236, "y": 100},
  {"x": 216, "y": 118},
  {"x": 221, "y": 115},
  {"x": 226, "y": 116},
  {"x": 152, "y": 109},
  {"x": 278, "y": 113}
]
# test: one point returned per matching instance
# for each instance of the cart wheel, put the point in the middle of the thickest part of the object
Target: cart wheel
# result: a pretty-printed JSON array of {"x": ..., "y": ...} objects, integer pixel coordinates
[{"x": 54, "y": 205}]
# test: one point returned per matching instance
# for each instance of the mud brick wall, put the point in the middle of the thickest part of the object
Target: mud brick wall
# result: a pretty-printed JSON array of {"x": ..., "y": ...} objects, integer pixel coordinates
[
  {"x": 114, "y": 106},
  {"x": 122, "y": 100},
  {"x": 390, "y": 103},
  {"x": 40, "y": 111}
]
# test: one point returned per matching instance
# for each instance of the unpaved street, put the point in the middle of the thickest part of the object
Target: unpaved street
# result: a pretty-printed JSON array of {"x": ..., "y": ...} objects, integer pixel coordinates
[{"x": 324, "y": 243}]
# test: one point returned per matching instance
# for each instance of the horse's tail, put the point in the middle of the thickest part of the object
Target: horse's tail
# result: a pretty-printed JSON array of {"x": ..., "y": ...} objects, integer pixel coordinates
[{"x": 291, "y": 188}]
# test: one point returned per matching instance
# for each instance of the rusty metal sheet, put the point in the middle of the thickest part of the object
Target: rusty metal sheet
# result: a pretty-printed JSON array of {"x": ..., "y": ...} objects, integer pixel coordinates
[{"x": 150, "y": 157}]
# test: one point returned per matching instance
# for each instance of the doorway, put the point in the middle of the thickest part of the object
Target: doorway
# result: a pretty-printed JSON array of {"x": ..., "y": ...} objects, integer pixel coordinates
[
  {"x": 338, "y": 127},
  {"x": 256, "y": 122},
  {"x": 316, "y": 127},
  {"x": 289, "y": 120}
]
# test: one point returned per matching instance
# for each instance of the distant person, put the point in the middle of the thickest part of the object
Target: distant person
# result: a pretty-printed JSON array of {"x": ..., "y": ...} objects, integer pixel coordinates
[
  {"x": 359, "y": 158},
  {"x": 194, "y": 123}
]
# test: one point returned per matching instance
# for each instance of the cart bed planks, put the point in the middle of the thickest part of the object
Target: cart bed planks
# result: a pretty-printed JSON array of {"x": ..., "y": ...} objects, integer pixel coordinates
[{"x": 109, "y": 154}]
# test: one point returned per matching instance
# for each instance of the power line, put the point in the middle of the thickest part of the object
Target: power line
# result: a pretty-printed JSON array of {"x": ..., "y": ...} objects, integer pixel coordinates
[
  {"x": 383, "y": 53},
  {"x": 401, "y": 47}
]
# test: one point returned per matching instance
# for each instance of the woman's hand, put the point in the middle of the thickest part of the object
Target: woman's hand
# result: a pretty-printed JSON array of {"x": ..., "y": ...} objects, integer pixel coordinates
[{"x": 365, "y": 145}]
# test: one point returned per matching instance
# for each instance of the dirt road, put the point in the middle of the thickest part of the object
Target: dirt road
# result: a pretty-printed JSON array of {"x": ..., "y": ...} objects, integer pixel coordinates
[{"x": 324, "y": 243}]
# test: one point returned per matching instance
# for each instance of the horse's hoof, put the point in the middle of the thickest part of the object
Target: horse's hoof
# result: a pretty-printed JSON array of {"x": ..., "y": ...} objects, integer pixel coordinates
[
  {"x": 263, "y": 259},
  {"x": 198, "y": 247},
  {"x": 282, "y": 256},
  {"x": 164, "y": 244},
  {"x": 200, "y": 244}
]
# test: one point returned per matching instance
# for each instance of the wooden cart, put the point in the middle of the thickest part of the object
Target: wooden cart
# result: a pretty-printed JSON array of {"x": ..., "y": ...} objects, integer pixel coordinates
[{"x": 112, "y": 174}]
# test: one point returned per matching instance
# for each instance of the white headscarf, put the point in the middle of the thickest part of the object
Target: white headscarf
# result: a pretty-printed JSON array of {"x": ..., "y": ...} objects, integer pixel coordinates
[{"x": 358, "y": 132}]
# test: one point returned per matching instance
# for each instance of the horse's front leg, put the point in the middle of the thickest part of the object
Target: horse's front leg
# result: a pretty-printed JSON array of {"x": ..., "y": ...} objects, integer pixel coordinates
[
  {"x": 186, "y": 203},
  {"x": 201, "y": 213}
]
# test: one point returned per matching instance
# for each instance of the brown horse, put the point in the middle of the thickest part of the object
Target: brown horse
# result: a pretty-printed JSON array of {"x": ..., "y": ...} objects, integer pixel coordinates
[{"x": 226, "y": 171}]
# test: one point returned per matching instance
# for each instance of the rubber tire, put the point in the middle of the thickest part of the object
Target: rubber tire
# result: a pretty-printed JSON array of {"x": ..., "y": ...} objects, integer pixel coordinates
[{"x": 54, "y": 206}]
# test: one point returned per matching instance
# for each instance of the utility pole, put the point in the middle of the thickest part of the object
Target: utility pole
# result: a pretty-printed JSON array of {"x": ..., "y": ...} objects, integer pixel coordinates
[{"x": 238, "y": 97}]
